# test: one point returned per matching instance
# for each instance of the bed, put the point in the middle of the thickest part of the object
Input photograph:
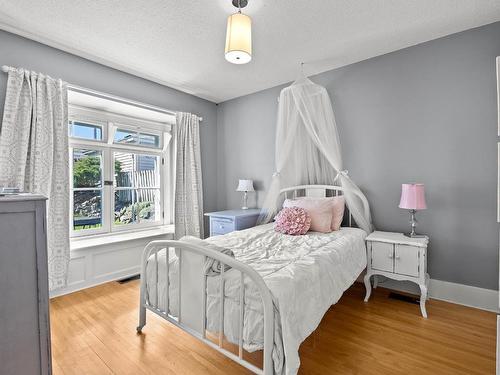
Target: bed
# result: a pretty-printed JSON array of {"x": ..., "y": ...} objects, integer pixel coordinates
[{"x": 263, "y": 291}]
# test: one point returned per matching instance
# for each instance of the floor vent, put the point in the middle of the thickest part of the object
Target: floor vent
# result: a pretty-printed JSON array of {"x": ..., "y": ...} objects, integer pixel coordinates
[
  {"x": 404, "y": 298},
  {"x": 126, "y": 280}
]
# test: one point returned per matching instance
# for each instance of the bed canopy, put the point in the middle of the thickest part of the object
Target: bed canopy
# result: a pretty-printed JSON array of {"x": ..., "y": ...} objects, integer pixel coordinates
[{"x": 308, "y": 150}]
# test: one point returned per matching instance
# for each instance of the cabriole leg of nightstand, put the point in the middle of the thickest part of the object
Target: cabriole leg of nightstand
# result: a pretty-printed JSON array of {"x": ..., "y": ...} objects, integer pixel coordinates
[
  {"x": 375, "y": 281},
  {"x": 427, "y": 278},
  {"x": 368, "y": 287},
  {"x": 423, "y": 298}
]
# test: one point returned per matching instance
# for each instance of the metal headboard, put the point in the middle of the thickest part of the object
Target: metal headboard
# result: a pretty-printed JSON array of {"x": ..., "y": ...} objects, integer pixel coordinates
[{"x": 316, "y": 191}]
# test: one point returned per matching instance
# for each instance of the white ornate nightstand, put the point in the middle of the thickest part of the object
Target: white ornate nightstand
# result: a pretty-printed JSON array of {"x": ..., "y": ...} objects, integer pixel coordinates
[{"x": 397, "y": 257}]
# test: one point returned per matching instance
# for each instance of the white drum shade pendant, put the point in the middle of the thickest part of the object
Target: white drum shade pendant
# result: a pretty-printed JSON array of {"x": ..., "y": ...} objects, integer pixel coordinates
[{"x": 239, "y": 36}]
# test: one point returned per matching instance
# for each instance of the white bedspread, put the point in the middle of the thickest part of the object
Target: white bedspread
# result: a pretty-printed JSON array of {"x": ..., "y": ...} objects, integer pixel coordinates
[{"x": 305, "y": 274}]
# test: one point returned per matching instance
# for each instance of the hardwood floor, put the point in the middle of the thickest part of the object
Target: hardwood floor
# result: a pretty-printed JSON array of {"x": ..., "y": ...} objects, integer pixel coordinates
[{"x": 93, "y": 332}]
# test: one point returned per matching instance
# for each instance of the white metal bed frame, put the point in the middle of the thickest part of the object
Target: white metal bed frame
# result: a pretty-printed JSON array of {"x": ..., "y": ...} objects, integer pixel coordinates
[{"x": 192, "y": 314}]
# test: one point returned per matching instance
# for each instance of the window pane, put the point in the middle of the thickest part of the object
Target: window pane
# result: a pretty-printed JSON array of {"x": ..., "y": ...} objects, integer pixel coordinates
[
  {"x": 85, "y": 131},
  {"x": 149, "y": 140},
  {"x": 125, "y": 136},
  {"x": 87, "y": 168},
  {"x": 148, "y": 206},
  {"x": 136, "y": 170},
  {"x": 87, "y": 209},
  {"x": 125, "y": 207},
  {"x": 137, "y": 206}
]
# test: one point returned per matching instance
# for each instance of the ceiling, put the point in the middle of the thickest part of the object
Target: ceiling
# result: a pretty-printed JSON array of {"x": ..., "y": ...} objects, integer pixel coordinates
[{"x": 181, "y": 43}]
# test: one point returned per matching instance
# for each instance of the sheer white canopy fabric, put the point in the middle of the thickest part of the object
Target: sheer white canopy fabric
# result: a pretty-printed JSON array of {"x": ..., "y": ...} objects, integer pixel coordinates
[{"x": 308, "y": 150}]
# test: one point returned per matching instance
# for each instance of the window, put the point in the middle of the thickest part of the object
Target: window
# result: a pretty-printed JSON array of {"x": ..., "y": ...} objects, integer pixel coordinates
[
  {"x": 133, "y": 138},
  {"x": 120, "y": 174},
  {"x": 87, "y": 189},
  {"x": 85, "y": 131},
  {"x": 136, "y": 188}
]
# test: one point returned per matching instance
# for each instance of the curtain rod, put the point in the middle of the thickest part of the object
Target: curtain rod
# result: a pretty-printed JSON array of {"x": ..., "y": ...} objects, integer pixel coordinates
[{"x": 115, "y": 98}]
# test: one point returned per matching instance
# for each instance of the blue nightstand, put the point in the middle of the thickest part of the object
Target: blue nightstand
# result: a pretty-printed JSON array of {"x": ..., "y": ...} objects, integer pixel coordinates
[{"x": 223, "y": 222}]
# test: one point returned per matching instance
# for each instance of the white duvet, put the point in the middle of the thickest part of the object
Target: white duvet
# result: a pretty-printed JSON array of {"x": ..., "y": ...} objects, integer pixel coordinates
[{"x": 305, "y": 274}]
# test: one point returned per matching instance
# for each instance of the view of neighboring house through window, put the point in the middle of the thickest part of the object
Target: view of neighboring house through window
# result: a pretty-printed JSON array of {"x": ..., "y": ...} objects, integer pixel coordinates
[
  {"x": 136, "y": 188},
  {"x": 118, "y": 173}
]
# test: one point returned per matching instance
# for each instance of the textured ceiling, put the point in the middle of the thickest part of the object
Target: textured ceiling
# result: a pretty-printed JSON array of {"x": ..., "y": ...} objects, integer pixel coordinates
[{"x": 181, "y": 43}]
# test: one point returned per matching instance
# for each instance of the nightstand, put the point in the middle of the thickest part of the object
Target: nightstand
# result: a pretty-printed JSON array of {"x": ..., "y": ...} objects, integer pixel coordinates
[
  {"x": 397, "y": 257},
  {"x": 223, "y": 222}
]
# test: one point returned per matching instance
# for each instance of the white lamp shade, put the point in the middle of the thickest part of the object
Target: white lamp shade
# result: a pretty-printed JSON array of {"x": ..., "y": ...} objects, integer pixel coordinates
[
  {"x": 239, "y": 39},
  {"x": 245, "y": 185}
]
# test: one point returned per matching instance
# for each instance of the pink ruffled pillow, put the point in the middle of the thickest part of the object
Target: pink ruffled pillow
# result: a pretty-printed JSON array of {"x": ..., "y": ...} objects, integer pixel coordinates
[{"x": 292, "y": 220}]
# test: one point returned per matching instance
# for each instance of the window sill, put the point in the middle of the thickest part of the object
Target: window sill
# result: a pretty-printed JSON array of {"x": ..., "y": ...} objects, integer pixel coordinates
[{"x": 101, "y": 240}]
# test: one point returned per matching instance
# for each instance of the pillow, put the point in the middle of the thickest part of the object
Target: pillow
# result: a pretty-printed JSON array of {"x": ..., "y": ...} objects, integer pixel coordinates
[
  {"x": 321, "y": 213},
  {"x": 337, "y": 205},
  {"x": 338, "y": 211},
  {"x": 292, "y": 220}
]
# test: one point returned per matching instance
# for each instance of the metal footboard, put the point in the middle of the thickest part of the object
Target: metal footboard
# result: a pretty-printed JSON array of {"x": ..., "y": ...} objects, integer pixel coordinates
[{"x": 194, "y": 322}]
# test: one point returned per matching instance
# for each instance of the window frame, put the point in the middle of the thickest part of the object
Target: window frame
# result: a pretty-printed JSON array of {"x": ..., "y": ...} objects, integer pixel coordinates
[
  {"x": 110, "y": 123},
  {"x": 102, "y": 124},
  {"x": 104, "y": 217},
  {"x": 129, "y": 227}
]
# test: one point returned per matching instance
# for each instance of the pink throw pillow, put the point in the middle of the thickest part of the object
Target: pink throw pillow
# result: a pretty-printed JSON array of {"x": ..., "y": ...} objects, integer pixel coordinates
[
  {"x": 321, "y": 213},
  {"x": 338, "y": 211},
  {"x": 292, "y": 220},
  {"x": 337, "y": 205}
]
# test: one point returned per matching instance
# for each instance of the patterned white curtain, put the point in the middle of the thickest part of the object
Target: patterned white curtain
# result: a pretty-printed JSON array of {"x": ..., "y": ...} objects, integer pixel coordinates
[
  {"x": 188, "y": 185},
  {"x": 34, "y": 155}
]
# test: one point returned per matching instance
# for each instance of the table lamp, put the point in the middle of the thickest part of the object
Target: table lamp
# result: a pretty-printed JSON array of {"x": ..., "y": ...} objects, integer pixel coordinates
[
  {"x": 413, "y": 199},
  {"x": 245, "y": 186}
]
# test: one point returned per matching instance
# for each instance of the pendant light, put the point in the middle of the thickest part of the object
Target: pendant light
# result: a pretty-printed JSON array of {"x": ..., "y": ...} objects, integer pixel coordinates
[{"x": 239, "y": 36}]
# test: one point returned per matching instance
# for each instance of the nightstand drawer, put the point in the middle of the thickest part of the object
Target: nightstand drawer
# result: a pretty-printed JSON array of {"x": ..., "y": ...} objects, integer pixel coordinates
[
  {"x": 382, "y": 256},
  {"x": 220, "y": 226},
  {"x": 406, "y": 260}
]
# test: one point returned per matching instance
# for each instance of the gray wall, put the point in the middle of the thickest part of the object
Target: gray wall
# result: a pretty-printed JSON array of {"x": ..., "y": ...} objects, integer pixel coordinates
[
  {"x": 423, "y": 114},
  {"x": 21, "y": 52}
]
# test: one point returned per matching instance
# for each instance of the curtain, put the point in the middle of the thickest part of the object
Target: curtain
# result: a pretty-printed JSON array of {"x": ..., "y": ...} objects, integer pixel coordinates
[
  {"x": 34, "y": 155},
  {"x": 308, "y": 150},
  {"x": 188, "y": 211}
]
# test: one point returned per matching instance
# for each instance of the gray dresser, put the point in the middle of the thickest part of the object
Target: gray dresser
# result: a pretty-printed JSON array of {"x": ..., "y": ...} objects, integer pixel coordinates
[{"x": 24, "y": 296}]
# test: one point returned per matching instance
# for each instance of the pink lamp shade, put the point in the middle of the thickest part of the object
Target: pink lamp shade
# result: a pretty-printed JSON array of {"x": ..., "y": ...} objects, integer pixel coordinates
[{"x": 412, "y": 197}]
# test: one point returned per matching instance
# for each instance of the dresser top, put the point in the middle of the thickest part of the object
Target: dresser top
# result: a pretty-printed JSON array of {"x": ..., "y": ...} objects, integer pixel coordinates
[
  {"x": 235, "y": 213},
  {"x": 21, "y": 197},
  {"x": 399, "y": 238}
]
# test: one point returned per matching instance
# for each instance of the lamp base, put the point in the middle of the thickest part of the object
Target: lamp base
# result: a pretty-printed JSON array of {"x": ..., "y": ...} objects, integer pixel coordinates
[
  {"x": 245, "y": 201},
  {"x": 413, "y": 222}
]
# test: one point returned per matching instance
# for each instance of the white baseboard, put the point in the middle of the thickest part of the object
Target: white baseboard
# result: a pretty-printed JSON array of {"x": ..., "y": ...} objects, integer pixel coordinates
[
  {"x": 484, "y": 299},
  {"x": 102, "y": 263},
  {"x": 119, "y": 275}
]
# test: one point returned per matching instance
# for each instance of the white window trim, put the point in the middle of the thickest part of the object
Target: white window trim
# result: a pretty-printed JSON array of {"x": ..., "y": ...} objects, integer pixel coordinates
[
  {"x": 110, "y": 122},
  {"x": 94, "y": 115}
]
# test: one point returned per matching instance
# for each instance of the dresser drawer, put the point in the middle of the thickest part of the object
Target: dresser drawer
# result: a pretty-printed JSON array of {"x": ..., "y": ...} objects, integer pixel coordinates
[
  {"x": 220, "y": 226},
  {"x": 382, "y": 256}
]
